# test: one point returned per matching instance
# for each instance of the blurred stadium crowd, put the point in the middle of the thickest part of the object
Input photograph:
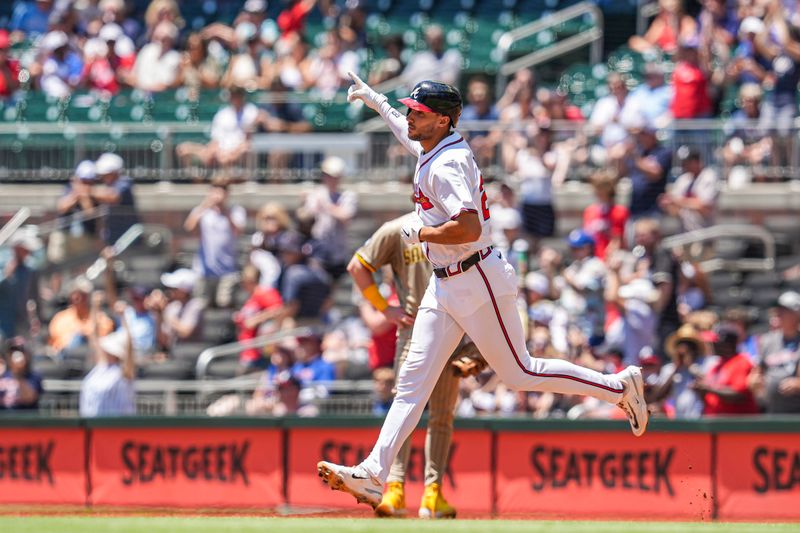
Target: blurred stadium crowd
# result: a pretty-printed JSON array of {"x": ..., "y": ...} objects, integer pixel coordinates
[{"x": 606, "y": 296}]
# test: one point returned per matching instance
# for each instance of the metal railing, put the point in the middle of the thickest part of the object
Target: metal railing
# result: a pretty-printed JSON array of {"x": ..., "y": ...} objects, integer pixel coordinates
[
  {"x": 591, "y": 36},
  {"x": 373, "y": 155},
  {"x": 208, "y": 356},
  {"x": 738, "y": 232},
  {"x": 167, "y": 397}
]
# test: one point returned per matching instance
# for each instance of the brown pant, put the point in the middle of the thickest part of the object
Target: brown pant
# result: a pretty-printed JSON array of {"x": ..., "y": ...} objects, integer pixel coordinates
[{"x": 441, "y": 411}]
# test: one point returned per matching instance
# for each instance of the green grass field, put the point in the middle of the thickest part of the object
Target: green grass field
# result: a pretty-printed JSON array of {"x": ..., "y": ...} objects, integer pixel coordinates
[{"x": 346, "y": 525}]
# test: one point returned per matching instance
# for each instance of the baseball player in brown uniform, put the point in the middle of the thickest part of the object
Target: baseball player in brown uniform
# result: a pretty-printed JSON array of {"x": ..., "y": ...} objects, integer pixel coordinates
[{"x": 412, "y": 272}]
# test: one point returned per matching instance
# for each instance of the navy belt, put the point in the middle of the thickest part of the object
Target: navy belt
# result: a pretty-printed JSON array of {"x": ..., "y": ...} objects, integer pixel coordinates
[{"x": 463, "y": 266}]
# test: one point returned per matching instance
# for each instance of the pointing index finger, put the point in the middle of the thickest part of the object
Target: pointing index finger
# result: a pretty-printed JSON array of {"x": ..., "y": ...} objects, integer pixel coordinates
[{"x": 355, "y": 78}]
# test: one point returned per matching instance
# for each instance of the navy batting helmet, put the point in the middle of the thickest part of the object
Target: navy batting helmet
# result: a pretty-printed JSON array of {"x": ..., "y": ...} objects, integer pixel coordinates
[{"x": 435, "y": 97}]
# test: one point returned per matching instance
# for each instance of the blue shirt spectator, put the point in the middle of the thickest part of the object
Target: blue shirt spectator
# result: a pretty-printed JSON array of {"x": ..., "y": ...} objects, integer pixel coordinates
[
  {"x": 116, "y": 192},
  {"x": 647, "y": 169},
  {"x": 17, "y": 284},
  {"x": 309, "y": 366},
  {"x": 31, "y": 17}
]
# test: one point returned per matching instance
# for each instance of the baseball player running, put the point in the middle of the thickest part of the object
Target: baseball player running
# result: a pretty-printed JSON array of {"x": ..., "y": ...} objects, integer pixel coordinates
[
  {"x": 473, "y": 289},
  {"x": 412, "y": 272}
]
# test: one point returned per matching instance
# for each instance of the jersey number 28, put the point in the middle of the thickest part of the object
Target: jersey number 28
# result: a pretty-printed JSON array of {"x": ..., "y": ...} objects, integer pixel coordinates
[{"x": 484, "y": 201}]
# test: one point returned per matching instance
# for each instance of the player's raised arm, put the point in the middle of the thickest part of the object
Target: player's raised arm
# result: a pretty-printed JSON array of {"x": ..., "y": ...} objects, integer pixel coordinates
[{"x": 380, "y": 104}]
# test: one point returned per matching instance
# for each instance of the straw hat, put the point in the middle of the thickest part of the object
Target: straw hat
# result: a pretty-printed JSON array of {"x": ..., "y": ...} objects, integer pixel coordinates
[{"x": 686, "y": 333}]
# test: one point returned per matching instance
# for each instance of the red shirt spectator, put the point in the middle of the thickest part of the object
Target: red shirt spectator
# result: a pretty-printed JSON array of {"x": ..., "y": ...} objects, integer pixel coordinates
[
  {"x": 730, "y": 373},
  {"x": 384, "y": 343},
  {"x": 9, "y": 68},
  {"x": 725, "y": 387},
  {"x": 253, "y": 313},
  {"x": 604, "y": 222},
  {"x": 293, "y": 18},
  {"x": 690, "y": 84}
]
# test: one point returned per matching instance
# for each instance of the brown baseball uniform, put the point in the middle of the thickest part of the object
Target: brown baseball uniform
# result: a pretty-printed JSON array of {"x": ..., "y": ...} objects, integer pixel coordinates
[{"x": 412, "y": 272}]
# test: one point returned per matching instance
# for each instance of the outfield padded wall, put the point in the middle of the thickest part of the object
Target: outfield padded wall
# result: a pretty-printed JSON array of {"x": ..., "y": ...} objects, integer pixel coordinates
[{"x": 693, "y": 470}]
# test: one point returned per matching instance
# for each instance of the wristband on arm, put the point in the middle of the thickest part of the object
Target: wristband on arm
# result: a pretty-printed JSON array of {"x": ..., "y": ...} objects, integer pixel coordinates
[{"x": 373, "y": 296}]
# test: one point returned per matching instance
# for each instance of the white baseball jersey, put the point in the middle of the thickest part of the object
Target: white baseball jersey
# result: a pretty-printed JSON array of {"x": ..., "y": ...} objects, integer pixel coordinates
[{"x": 448, "y": 182}]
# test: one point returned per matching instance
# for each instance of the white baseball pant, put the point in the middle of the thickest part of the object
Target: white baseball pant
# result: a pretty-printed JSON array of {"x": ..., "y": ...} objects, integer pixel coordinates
[{"x": 480, "y": 302}]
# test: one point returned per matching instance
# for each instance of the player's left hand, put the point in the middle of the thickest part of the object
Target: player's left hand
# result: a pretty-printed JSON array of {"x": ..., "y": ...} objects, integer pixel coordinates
[
  {"x": 410, "y": 231},
  {"x": 467, "y": 361},
  {"x": 398, "y": 316}
]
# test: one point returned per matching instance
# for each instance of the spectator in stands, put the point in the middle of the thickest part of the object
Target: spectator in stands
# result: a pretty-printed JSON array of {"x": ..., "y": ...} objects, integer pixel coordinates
[
  {"x": 292, "y": 19},
  {"x": 651, "y": 99},
  {"x": 749, "y": 148},
  {"x": 218, "y": 225},
  {"x": 725, "y": 386},
  {"x": 332, "y": 210},
  {"x": 9, "y": 68},
  {"x": 180, "y": 315},
  {"x": 20, "y": 387},
  {"x": 607, "y": 114},
  {"x": 580, "y": 289},
  {"x": 159, "y": 12},
  {"x": 693, "y": 197},
  {"x": 539, "y": 166},
  {"x": 436, "y": 62},
  {"x": 693, "y": 290},
  {"x": 30, "y": 18},
  {"x": 646, "y": 162},
  {"x": 114, "y": 190},
  {"x": 670, "y": 26},
  {"x": 18, "y": 284},
  {"x": 292, "y": 55},
  {"x": 687, "y": 362},
  {"x": 719, "y": 25},
  {"x": 780, "y": 45},
  {"x": 272, "y": 220},
  {"x": 281, "y": 397},
  {"x": 691, "y": 97},
  {"x": 660, "y": 266},
  {"x": 282, "y": 116},
  {"x": 392, "y": 64},
  {"x": 635, "y": 302},
  {"x": 143, "y": 323},
  {"x": 251, "y": 68},
  {"x": 750, "y": 343},
  {"x": 304, "y": 288},
  {"x": 76, "y": 209},
  {"x": 256, "y": 317},
  {"x": 199, "y": 70},
  {"x": 230, "y": 134},
  {"x": 158, "y": 63},
  {"x": 309, "y": 366},
  {"x": 604, "y": 220},
  {"x": 61, "y": 68},
  {"x": 72, "y": 327},
  {"x": 481, "y": 107},
  {"x": 121, "y": 52},
  {"x": 748, "y": 65},
  {"x": 353, "y": 24},
  {"x": 776, "y": 378},
  {"x": 326, "y": 68},
  {"x": 98, "y": 73},
  {"x": 383, "y": 391},
  {"x": 255, "y": 12},
  {"x": 107, "y": 390}
]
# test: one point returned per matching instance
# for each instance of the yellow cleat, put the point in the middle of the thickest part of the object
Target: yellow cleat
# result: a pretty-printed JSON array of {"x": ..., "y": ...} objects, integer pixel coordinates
[
  {"x": 434, "y": 505},
  {"x": 393, "y": 503}
]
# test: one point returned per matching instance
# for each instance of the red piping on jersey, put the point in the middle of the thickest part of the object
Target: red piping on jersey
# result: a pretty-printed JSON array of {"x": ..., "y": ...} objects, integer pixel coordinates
[
  {"x": 516, "y": 358},
  {"x": 439, "y": 150},
  {"x": 463, "y": 210}
]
